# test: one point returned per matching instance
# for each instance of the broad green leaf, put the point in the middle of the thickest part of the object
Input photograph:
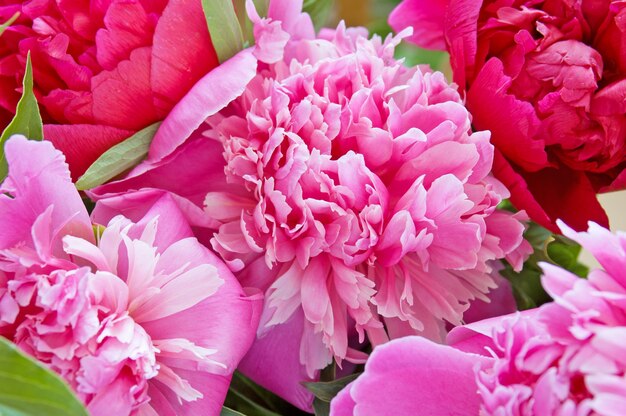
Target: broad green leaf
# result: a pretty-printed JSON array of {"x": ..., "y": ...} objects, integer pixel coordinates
[
  {"x": 27, "y": 388},
  {"x": 118, "y": 159},
  {"x": 230, "y": 412},
  {"x": 326, "y": 390},
  {"x": 9, "y": 22},
  {"x": 224, "y": 28},
  {"x": 319, "y": 10},
  {"x": 27, "y": 120}
]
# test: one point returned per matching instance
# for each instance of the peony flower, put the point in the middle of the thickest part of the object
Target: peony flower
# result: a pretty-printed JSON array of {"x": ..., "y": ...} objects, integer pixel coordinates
[
  {"x": 548, "y": 79},
  {"x": 102, "y": 70},
  {"x": 345, "y": 185},
  {"x": 142, "y": 320},
  {"x": 564, "y": 358}
]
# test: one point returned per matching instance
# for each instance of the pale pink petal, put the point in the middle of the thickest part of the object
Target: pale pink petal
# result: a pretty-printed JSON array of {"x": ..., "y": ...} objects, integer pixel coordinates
[
  {"x": 209, "y": 95},
  {"x": 426, "y": 18},
  {"x": 39, "y": 178}
]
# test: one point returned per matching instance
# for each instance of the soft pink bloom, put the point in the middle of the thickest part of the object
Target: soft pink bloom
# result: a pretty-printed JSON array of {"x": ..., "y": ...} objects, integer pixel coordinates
[
  {"x": 413, "y": 376},
  {"x": 565, "y": 358},
  {"x": 102, "y": 69},
  {"x": 548, "y": 78},
  {"x": 345, "y": 185},
  {"x": 140, "y": 320}
]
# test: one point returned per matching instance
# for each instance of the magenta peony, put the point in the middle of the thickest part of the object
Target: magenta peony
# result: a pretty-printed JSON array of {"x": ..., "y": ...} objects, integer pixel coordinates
[
  {"x": 548, "y": 78},
  {"x": 565, "y": 358},
  {"x": 344, "y": 184},
  {"x": 102, "y": 69},
  {"x": 142, "y": 320}
]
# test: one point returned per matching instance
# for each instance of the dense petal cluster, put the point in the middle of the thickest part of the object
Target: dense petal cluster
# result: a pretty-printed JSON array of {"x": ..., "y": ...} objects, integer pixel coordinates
[
  {"x": 129, "y": 319},
  {"x": 102, "y": 69},
  {"x": 359, "y": 185},
  {"x": 548, "y": 79},
  {"x": 573, "y": 363},
  {"x": 349, "y": 188},
  {"x": 565, "y": 358}
]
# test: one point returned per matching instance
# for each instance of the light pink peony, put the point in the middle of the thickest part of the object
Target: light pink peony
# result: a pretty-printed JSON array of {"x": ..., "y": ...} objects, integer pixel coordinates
[
  {"x": 102, "y": 69},
  {"x": 344, "y": 184},
  {"x": 565, "y": 358},
  {"x": 548, "y": 79},
  {"x": 142, "y": 320}
]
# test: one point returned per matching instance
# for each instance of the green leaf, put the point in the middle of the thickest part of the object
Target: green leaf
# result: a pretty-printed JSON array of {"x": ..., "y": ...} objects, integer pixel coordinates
[
  {"x": 27, "y": 388},
  {"x": 321, "y": 408},
  {"x": 555, "y": 249},
  {"x": 326, "y": 390},
  {"x": 27, "y": 120},
  {"x": 118, "y": 159},
  {"x": 9, "y": 22},
  {"x": 253, "y": 400},
  {"x": 224, "y": 28},
  {"x": 230, "y": 412},
  {"x": 319, "y": 10}
]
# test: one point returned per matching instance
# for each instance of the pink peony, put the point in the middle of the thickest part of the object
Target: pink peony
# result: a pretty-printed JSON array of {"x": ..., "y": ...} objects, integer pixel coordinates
[
  {"x": 548, "y": 78},
  {"x": 345, "y": 185},
  {"x": 565, "y": 358},
  {"x": 102, "y": 69},
  {"x": 142, "y": 320}
]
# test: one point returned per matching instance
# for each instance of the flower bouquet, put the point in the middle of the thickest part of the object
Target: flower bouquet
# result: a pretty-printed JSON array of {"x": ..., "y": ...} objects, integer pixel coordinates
[{"x": 288, "y": 207}]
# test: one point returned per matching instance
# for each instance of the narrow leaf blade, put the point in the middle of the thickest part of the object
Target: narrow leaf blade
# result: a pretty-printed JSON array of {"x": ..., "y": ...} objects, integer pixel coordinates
[
  {"x": 230, "y": 412},
  {"x": 224, "y": 28},
  {"x": 27, "y": 388},
  {"x": 118, "y": 158},
  {"x": 27, "y": 120},
  {"x": 9, "y": 22}
]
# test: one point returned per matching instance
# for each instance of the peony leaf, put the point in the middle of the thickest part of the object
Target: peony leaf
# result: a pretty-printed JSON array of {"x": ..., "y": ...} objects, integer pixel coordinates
[
  {"x": 27, "y": 388},
  {"x": 224, "y": 28},
  {"x": 118, "y": 159},
  {"x": 9, "y": 22},
  {"x": 326, "y": 390},
  {"x": 27, "y": 120},
  {"x": 548, "y": 247},
  {"x": 230, "y": 412}
]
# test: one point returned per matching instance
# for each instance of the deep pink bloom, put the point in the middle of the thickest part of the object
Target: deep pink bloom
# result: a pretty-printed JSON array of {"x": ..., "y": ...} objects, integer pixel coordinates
[
  {"x": 342, "y": 183},
  {"x": 102, "y": 69},
  {"x": 548, "y": 78},
  {"x": 140, "y": 320},
  {"x": 565, "y": 358}
]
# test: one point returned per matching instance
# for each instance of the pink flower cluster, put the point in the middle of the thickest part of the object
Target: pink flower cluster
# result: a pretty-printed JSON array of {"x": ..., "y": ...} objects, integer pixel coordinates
[
  {"x": 140, "y": 320},
  {"x": 351, "y": 189},
  {"x": 565, "y": 358}
]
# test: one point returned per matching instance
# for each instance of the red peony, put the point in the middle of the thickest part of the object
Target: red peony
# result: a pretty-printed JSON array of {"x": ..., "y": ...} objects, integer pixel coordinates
[
  {"x": 103, "y": 69},
  {"x": 548, "y": 78}
]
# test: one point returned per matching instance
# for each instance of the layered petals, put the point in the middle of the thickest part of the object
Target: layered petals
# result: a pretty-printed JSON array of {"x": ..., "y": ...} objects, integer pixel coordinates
[
  {"x": 102, "y": 70},
  {"x": 142, "y": 317},
  {"x": 547, "y": 79}
]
